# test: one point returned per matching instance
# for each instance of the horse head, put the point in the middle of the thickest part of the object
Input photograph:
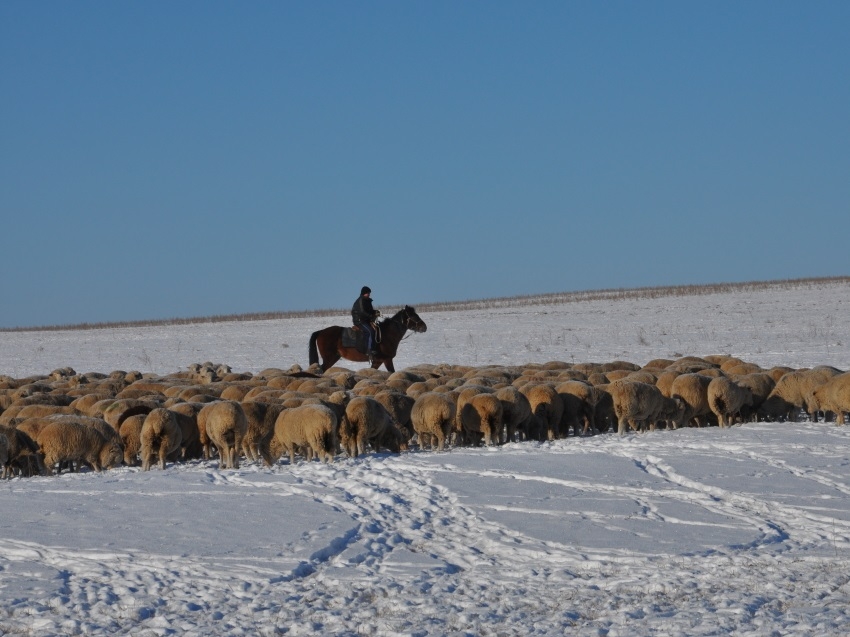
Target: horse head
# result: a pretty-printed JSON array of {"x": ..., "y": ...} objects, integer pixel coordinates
[{"x": 410, "y": 319}]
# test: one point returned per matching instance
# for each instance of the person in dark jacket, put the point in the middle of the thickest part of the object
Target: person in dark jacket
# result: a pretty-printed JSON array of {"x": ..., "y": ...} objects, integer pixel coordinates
[{"x": 363, "y": 314}]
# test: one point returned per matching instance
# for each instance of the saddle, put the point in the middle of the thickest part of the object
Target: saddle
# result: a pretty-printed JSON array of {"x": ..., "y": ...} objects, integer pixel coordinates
[{"x": 357, "y": 338}]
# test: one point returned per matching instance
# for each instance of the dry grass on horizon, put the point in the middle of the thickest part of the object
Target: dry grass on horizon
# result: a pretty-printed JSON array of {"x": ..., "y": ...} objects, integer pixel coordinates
[{"x": 555, "y": 298}]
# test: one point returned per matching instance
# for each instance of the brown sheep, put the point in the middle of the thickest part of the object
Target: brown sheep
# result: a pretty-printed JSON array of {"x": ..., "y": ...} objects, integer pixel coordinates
[
  {"x": 604, "y": 417},
  {"x": 261, "y": 418},
  {"x": 481, "y": 416},
  {"x": 726, "y": 398},
  {"x": 365, "y": 421},
  {"x": 638, "y": 405},
  {"x": 834, "y": 396},
  {"x": 465, "y": 394},
  {"x": 23, "y": 454},
  {"x": 579, "y": 402},
  {"x": 399, "y": 405},
  {"x": 789, "y": 395},
  {"x": 4, "y": 450},
  {"x": 760, "y": 384},
  {"x": 190, "y": 435},
  {"x": 160, "y": 437},
  {"x": 692, "y": 389},
  {"x": 433, "y": 416},
  {"x": 516, "y": 411},
  {"x": 223, "y": 424},
  {"x": 69, "y": 441},
  {"x": 664, "y": 382},
  {"x": 131, "y": 436},
  {"x": 311, "y": 427},
  {"x": 546, "y": 407}
]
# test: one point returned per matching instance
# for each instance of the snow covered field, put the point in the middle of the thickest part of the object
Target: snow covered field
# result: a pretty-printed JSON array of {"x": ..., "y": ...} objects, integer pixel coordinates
[{"x": 742, "y": 531}]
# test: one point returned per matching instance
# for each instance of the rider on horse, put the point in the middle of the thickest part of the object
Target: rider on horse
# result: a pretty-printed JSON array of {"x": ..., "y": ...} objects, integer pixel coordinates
[{"x": 363, "y": 315}]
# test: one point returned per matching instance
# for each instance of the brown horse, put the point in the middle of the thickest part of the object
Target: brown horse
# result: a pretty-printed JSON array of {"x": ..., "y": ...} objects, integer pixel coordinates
[{"x": 328, "y": 341}]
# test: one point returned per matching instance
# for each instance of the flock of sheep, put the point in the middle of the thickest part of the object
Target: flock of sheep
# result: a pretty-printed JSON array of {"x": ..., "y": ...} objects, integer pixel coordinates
[{"x": 66, "y": 420}]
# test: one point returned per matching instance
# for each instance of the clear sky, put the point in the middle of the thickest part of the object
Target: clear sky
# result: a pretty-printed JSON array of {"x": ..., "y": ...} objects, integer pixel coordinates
[{"x": 179, "y": 159}]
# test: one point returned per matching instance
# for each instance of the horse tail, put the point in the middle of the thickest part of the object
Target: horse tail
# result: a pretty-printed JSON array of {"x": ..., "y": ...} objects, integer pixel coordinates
[{"x": 312, "y": 350}]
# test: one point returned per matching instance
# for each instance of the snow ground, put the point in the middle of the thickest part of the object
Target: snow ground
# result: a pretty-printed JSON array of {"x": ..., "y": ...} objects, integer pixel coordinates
[{"x": 742, "y": 531}]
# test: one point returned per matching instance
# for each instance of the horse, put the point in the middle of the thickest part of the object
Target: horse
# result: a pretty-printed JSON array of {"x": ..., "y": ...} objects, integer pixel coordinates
[{"x": 328, "y": 341}]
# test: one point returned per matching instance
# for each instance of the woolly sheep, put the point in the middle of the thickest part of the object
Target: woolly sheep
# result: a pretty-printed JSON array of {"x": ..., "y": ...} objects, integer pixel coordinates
[
  {"x": 546, "y": 407},
  {"x": 312, "y": 427},
  {"x": 399, "y": 405},
  {"x": 69, "y": 441},
  {"x": 465, "y": 394},
  {"x": 481, "y": 416},
  {"x": 223, "y": 424},
  {"x": 726, "y": 398},
  {"x": 432, "y": 417},
  {"x": 190, "y": 435},
  {"x": 639, "y": 405},
  {"x": 516, "y": 411},
  {"x": 834, "y": 396},
  {"x": 664, "y": 381},
  {"x": 579, "y": 402},
  {"x": 160, "y": 437},
  {"x": 131, "y": 437},
  {"x": 261, "y": 418},
  {"x": 603, "y": 412},
  {"x": 789, "y": 395},
  {"x": 4, "y": 450},
  {"x": 692, "y": 389},
  {"x": 365, "y": 420},
  {"x": 760, "y": 384},
  {"x": 22, "y": 453}
]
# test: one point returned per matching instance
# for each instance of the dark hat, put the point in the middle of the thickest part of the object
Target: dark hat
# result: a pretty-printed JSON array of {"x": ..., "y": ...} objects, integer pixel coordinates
[{"x": 365, "y": 290}]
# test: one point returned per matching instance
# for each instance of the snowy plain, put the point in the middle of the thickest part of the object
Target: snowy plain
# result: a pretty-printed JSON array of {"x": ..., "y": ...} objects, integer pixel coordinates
[{"x": 741, "y": 531}]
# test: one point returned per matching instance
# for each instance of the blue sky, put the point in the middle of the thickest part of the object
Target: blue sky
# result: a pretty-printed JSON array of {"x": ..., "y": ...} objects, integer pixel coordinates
[{"x": 164, "y": 159}]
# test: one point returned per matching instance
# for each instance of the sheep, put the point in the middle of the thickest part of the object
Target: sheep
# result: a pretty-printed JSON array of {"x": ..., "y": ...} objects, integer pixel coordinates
[
  {"x": 692, "y": 389},
  {"x": 433, "y": 416},
  {"x": 789, "y": 395},
  {"x": 261, "y": 418},
  {"x": 760, "y": 384},
  {"x": 603, "y": 412},
  {"x": 726, "y": 398},
  {"x": 481, "y": 416},
  {"x": 834, "y": 396},
  {"x": 516, "y": 410},
  {"x": 578, "y": 399},
  {"x": 223, "y": 424},
  {"x": 399, "y": 405},
  {"x": 160, "y": 436},
  {"x": 312, "y": 427},
  {"x": 190, "y": 435},
  {"x": 546, "y": 407},
  {"x": 22, "y": 453},
  {"x": 70, "y": 441},
  {"x": 465, "y": 395},
  {"x": 365, "y": 420},
  {"x": 638, "y": 405},
  {"x": 131, "y": 436},
  {"x": 4, "y": 450},
  {"x": 664, "y": 382}
]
